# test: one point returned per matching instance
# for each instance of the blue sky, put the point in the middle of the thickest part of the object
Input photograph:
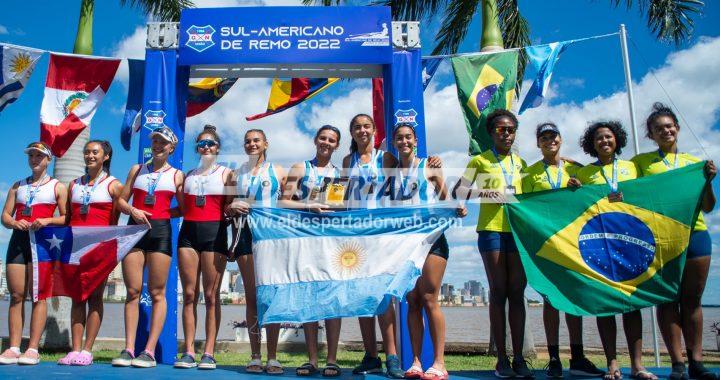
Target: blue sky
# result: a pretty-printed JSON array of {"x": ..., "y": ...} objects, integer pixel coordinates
[{"x": 588, "y": 84}]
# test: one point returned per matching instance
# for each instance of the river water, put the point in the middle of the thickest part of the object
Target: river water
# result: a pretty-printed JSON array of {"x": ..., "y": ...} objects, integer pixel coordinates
[{"x": 464, "y": 324}]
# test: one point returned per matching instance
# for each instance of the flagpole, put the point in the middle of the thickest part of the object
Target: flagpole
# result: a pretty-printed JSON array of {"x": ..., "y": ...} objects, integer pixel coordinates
[{"x": 636, "y": 145}]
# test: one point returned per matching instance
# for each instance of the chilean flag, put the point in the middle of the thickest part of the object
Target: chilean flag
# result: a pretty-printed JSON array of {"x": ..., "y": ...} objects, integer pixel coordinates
[
  {"x": 74, "y": 89},
  {"x": 74, "y": 261}
]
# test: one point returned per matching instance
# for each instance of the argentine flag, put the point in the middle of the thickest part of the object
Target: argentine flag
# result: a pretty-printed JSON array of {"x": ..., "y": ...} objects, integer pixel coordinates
[
  {"x": 310, "y": 267},
  {"x": 17, "y": 64}
]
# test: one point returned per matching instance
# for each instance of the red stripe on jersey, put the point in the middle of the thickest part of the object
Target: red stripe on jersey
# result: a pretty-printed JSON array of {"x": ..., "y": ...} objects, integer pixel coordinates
[
  {"x": 160, "y": 210},
  {"x": 39, "y": 210},
  {"x": 211, "y": 212},
  {"x": 99, "y": 214}
]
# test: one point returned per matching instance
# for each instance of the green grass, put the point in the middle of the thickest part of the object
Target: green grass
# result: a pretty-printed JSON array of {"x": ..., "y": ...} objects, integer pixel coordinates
[{"x": 348, "y": 359}]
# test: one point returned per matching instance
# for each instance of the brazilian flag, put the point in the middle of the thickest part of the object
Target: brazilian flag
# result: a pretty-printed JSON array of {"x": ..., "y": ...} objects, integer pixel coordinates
[
  {"x": 590, "y": 256},
  {"x": 485, "y": 82}
]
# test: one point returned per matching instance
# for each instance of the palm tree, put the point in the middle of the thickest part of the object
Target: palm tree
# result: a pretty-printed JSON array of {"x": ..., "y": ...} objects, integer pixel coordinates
[{"x": 71, "y": 165}]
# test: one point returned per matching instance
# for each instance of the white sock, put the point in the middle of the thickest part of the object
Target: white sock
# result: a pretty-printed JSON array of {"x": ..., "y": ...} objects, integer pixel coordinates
[
  {"x": 15, "y": 350},
  {"x": 86, "y": 352},
  {"x": 32, "y": 350}
]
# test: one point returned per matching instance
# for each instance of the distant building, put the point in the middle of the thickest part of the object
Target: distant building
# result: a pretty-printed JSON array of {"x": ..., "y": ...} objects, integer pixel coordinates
[
  {"x": 447, "y": 290},
  {"x": 225, "y": 284},
  {"x": 239, "y": 287},
  {"x": 473, "y": 287}
]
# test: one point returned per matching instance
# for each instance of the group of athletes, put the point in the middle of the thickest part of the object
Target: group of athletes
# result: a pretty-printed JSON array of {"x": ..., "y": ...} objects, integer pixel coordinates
[{"x": 206, "y": 205}]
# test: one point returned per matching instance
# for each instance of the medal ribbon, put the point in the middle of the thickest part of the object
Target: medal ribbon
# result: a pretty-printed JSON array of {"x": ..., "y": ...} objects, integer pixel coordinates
[
  {"x": 508, "y": 178},
  {"x": 665, "y": 161},
  {"x": 33, "y": 190},
  {"x": 87, "y": 190},
  {"x": 614, "y": 184},
  {"x": 558, "y": 184},
  {"x": 153, "y": 181}
]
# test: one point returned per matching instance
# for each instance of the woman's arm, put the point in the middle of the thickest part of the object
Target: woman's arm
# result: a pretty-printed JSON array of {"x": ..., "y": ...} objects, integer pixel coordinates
[
  {"x": 708, "y": 201},
  {"x": 7, "y": 216},
  {"x": 68, "y": 204},
  {"x": 116, "y": 189},
  {"x": 179, "y": 210},
  {"x": 139, "y": 216}
]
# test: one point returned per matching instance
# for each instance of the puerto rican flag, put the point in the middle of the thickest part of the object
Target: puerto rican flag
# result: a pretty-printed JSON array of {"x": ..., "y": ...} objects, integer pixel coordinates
[
  {"x": 74, "y": 261},
  {"x": 74, "y": 89}
]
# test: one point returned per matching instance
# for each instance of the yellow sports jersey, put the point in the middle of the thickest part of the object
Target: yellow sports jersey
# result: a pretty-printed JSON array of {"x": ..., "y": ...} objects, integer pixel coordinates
[
  {"x": 652, "y": 163},
  {"x": 591, "y": 175},
  {"x": 536, "y": 178},
  {"x": 492, "y": 215}
]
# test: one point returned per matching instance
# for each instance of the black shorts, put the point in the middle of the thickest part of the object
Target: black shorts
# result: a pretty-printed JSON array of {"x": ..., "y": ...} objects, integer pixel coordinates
[
  {"x": 242, "y": 239},
  {"x": 158, "y": 239},
  {"x": 204, "y": 236},
  {"x": 18, "y": 251},
  {"x": 440, "y": 247}
]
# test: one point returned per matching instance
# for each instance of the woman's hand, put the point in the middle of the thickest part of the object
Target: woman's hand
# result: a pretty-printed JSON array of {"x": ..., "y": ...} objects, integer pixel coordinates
[
  {"x": 237, "y": 207},
  {"x": 461, "y": 211},
  {"x": 574, "y": 182},
  {"x": 140, "y": 216},
  {"x": 40, "y": 223},
  {"x": 710, "y": 170},
  {"x": 22, "y": 225},
  {"x": 434, "y": 162},
  {"x": 318, "y": 208}
]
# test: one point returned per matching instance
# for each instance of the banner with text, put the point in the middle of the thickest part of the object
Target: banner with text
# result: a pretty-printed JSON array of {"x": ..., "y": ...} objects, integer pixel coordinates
[{"x": 341, "y": 35}]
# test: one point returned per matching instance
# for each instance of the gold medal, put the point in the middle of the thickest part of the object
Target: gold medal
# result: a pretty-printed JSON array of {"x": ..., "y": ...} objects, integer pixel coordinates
[{"x": 335, "y": 195}]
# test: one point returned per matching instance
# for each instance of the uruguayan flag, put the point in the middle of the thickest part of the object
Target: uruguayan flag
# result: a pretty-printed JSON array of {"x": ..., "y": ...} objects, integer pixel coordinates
[
  {"x": 310, "y": 267},
  {"x": 17, "y": 65},
  {"x": 543, "y": 58}
]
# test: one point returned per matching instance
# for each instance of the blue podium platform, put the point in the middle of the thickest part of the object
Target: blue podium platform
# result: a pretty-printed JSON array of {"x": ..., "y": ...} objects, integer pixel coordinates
[{"x": 49, "y": 370}]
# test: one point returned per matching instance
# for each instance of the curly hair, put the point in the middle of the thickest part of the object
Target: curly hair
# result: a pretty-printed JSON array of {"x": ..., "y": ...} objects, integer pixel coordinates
[
  {"x": 659, "y": 110},
  {"x": 587, "y": 142},
  {"x": 497, "y": 114}
]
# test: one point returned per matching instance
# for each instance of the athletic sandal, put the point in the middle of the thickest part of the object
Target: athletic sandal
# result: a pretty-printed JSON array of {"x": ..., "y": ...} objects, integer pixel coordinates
[
  {"x": 67, "y": 360},
  {"x": 83, "y": 358},
  {"x": 435, "y": 374},
  {"x": 307, "y": 369},
  {"x": 9, "y": 357},
  {"x": 614, "y": 375},
  {"x": 254, "y": 366},
  {"x": 331, "y": 370},
  {"x": 207, "y": 361},
  {"x": 643, "y": 375},
  {"x": 414, "y": 372},
  {"x": 30, "y": 357},
  {"x": 273, "y": 367}
]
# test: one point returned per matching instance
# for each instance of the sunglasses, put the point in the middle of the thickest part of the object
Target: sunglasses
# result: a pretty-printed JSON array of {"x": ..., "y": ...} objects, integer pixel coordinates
[
  {"x": 508, "y": 130},
  {"x": 206, "y": 143}
]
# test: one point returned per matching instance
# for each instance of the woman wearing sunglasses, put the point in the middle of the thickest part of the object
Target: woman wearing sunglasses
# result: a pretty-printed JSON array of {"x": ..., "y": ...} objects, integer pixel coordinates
[
  {"x": 497, "y": 172},
  {"x": 202, "y": 246},
  {"x": 152, "y": 187}
]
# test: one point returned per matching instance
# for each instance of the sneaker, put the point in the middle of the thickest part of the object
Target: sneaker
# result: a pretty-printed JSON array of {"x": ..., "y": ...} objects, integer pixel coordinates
[
  {"x": 30, "y": 357},
  {"x": 368, "y": 365},
  {"x": 554, "y": 369},
  {"x": 207, "y": 362},
  {"x": 144, "y": 360},
  {"x": 9, "y": 357},
  {"x": 522, "y": 371},
  {"x": 584, "y": 367},
  {"x": 392, "y": 364},
  {"x": 124, "y": 360},
  {"x": 697, "y": 370},
  {"x": 678, "y": 372},
  {"x": 503, "y": 369},
  {"x": 186, "y": 361}
]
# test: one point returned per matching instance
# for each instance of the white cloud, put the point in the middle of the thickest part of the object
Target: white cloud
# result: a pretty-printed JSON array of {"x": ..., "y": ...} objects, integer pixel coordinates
[{"x": 4, "y": 30}]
